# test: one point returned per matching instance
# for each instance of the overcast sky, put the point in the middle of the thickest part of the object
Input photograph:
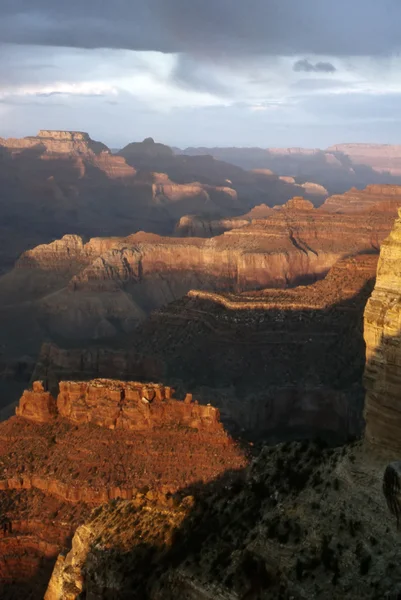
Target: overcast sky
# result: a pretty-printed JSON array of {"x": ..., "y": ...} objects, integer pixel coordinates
[{"x": 203, "y": 72}]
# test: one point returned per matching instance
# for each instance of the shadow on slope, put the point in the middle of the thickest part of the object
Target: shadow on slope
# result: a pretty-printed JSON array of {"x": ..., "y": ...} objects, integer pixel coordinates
[{"x": 302, "y": 521}]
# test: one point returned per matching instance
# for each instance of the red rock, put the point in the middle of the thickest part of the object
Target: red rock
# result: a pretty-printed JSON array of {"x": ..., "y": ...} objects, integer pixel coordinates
[{"x": 37, "y": 405}]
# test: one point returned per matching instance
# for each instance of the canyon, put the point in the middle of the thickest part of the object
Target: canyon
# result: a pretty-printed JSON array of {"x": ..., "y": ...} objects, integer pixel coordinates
[
  {"x": 61, "y": 182},
  {"x": 252, "y": 296},
  {"x": 72, "y": 289},
  {"x": 301, "y": 521},
  {"x": 336, "y": 168}
]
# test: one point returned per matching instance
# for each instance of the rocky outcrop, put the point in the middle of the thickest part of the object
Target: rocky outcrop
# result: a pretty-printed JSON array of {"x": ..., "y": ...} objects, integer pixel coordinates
[
  {"x": 37, "y": 404},
  {"x": 57, "y": 142},
  {"x": 383, "y": 348},
  {"x": 103, "y": 440},
  {"x": 375, "y": 198},
  {"x": 297, "y": 203},
  {"x": 116, "y": 405},
  {"x": 204, "y": 226},
  {"x": 280, "y": 534}
]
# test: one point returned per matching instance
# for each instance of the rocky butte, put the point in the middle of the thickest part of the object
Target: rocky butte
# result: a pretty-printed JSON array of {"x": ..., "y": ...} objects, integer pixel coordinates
[{"x": 98, "y": 440}]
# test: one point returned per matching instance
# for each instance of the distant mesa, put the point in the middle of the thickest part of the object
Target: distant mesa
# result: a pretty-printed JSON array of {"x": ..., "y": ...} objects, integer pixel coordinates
[
  {"x": 58, "y": 142},
  {"x": 68, "y": 136}
]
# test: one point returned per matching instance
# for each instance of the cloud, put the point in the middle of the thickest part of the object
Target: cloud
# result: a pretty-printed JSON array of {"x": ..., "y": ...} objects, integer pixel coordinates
[
  {"x": 308, "y": 67},
  {"x": 213, "y": 28}
]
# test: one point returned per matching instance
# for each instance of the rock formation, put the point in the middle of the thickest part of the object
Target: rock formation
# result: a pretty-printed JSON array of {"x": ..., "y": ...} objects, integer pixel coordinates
[
  {"x": 37, "y": 405},
  {"x": 204, "y": 226},
  {"x": 375, "y": 198},
  {"x": 97, "y": 289},
  {"x": 383, "y": 339},
  {"x": 116, "y": 405},
  {"x": 97, "y": 441}
]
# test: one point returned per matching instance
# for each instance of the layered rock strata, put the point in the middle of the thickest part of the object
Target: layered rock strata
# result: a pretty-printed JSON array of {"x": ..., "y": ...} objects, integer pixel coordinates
[
  {"x": 60, "y": 182},
  {"x": 277, "y": 363},
  {"x": 383, "y": 348},
  {"x": 106, "y": 286},
  {"x": 116, "y": 405},
  {"x": 375, "y": 198},
  {"x": 97, "y": 441}
]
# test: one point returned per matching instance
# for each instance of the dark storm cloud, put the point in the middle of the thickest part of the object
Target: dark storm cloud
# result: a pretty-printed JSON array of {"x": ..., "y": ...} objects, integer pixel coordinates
[
  {"x": 219, "y": 28},
  {"x": 308, "y": 67},
  {"x": 190, "y": 74}
]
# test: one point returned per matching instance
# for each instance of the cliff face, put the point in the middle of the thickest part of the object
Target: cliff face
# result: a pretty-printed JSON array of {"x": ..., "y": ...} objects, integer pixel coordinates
[
  {"x": 116, "y": 405},
  {"x": 383, "y": 343},
  {"x": 97, "y": 441},
  {"x": 56, "y": 364},
  {"x": 277, "y": 363},
  {"x": 57, "y": 142}
]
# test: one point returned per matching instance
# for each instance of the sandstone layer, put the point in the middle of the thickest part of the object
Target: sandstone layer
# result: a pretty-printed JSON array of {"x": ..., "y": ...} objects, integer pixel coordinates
[
  {"x": 101, "y": 288},
  {"x": 97, "y": 441},
  {"x": 382, "y": 336}
]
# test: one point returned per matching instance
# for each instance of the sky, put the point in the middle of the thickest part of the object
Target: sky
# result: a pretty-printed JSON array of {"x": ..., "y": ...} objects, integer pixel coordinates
[{"x": 303, "y": 73}]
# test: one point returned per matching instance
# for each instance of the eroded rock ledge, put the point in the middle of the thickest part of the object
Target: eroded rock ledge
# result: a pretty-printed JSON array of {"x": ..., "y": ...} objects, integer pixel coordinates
[{"x": 116, "y": 405}]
